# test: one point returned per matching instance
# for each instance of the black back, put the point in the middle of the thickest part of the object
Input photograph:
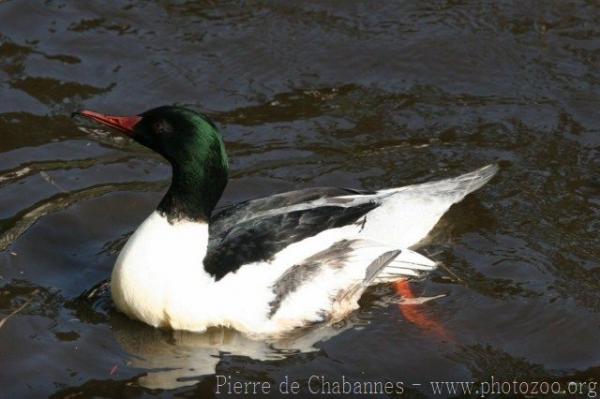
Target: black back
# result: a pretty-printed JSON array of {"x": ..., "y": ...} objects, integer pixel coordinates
[{"x": 240, "y": 235}]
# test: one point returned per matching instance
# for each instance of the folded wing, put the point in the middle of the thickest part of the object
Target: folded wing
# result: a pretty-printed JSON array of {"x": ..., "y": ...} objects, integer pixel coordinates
[{"x": 327, "y": 285}]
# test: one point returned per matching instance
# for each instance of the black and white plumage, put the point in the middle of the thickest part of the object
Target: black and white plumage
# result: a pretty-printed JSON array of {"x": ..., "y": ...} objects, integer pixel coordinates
[
  {"x": 290, "y": 260},
  {"x": 269, "y": 265},
  {"x": 256, "y": 230}
]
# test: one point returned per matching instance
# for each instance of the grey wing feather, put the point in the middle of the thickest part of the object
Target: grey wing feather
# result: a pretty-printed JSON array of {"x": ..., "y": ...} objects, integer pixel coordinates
[
  {"x": 296, "y": 275},
  {"x": 378, "y": 264}
]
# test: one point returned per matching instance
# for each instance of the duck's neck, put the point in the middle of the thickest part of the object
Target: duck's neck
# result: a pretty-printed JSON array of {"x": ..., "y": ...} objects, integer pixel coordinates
[{"x": 197, "y": 186}]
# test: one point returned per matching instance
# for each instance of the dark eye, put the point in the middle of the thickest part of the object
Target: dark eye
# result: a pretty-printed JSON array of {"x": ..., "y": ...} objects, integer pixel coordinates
[{"x": 163, "y": 127}]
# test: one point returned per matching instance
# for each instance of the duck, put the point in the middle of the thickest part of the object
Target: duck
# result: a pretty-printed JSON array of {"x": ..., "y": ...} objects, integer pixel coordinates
[{"x": 266, "y": 266}]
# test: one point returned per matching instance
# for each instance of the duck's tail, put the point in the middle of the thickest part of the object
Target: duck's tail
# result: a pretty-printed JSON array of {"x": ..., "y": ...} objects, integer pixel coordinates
[
  {"x": 457, "y": 187},
  {"x": 408, "y": 213}
]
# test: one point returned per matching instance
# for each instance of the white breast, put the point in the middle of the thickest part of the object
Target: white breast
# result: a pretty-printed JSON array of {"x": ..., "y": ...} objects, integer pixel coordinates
[{"x": 158, "y": 276}]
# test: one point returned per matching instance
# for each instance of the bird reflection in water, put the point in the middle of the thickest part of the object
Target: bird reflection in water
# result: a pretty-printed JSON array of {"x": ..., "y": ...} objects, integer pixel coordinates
[{"x": 175, "y": 359}]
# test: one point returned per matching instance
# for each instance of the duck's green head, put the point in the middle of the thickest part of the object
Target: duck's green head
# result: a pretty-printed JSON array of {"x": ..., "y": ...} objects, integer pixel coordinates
[{"x": 191, "y": 143}]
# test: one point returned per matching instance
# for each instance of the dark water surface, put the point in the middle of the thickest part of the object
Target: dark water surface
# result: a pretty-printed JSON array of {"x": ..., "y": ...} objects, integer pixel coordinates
[{"x": 305, "y": 94}]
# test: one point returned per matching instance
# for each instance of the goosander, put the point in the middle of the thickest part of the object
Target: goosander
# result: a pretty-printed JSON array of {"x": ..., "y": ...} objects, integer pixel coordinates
[{"x": 269, "y": 265}]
